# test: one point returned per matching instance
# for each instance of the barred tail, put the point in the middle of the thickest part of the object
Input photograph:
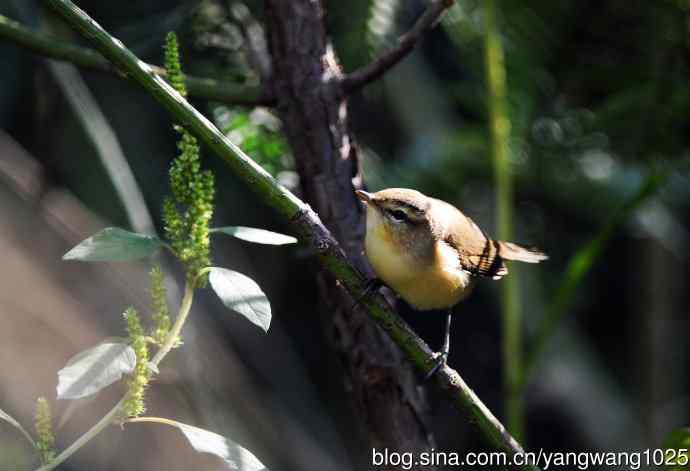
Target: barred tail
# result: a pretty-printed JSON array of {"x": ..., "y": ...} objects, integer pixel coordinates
[
  {"x": 490, "y": 262},
  {"x": 510, "y": 251}
]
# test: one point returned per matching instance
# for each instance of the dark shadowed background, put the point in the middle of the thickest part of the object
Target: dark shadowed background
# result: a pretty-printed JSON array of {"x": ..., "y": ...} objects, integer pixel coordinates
[{"x": 598, "y": 99}]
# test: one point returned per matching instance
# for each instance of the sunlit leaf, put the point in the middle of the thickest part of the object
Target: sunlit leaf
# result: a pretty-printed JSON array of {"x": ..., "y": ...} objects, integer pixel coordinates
[
  {"x": 234, "y": 455},
  {"x": 12, "y": 421},
  {"x": 241, "y": 294},
  {"x": 114, "y": 245},
  {"x": 258, "y": 236},
  {"x": 92, "y": 370}
]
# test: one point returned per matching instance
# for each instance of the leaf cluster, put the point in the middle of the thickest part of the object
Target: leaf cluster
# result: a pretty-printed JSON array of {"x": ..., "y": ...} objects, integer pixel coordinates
[
  {"x": 186, "y": 214},
  {"x": 257, "y": 132}
]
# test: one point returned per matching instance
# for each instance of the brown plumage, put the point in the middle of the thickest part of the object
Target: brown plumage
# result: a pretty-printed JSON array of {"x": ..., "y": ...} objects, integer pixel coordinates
[
  {"x": 478, "y": 253},
  {"x": 428, "y": 251}
]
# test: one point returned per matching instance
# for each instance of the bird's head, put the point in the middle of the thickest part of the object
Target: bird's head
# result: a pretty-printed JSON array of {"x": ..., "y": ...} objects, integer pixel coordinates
[{"x": 399, "y": 214}]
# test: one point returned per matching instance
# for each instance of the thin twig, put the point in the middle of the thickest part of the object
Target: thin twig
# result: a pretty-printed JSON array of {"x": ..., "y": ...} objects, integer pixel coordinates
[
  {"x": 155, "y": 420},
  {"x": 97, "y": 428},
  {"x": 12, "y": 421},
  {"x": 174, "y": 335},
  {"x": 50, "y": 46},
  {"x": 406, "y": 43},
  {"x": 302, "y": 218},
  {"x": 116, "y": 412}
]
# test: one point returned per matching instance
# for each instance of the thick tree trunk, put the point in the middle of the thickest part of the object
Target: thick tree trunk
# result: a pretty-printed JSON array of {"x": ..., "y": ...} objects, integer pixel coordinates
[{"x": 306, "y": 83}]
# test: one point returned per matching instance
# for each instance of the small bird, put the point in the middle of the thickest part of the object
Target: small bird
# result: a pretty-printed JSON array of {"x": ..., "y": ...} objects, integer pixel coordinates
[{"x": 430, "y": 253}]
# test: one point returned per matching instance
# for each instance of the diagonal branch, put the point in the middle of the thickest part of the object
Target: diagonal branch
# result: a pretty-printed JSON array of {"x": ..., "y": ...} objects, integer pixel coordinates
[
  {"x": 406, "y": 44},
  {"x": 302, "y": 218},
  {"x": 50, "y": 46}
]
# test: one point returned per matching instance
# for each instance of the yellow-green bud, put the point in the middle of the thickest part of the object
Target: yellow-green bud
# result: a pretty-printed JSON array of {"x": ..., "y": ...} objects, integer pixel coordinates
[
  {"x": 187, "y": 215},
  {"x": 136, "y": 386},
  {"x": 45, "y": 443}
]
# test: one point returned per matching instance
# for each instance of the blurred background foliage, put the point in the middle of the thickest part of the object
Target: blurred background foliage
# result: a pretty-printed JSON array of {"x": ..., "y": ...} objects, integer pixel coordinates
[{"x": 598, "y": 100}]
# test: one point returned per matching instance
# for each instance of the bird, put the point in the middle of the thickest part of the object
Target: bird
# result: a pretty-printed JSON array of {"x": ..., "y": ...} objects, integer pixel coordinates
[{"x": 430, "y": 253}]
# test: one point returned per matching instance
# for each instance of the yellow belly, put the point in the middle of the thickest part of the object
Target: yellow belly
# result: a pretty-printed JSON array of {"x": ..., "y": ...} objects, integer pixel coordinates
[{"x": 436, "y": 284}]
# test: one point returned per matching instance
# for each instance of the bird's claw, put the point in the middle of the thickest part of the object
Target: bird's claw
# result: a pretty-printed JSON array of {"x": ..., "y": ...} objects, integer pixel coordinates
[{"x": 441, "y": 359}]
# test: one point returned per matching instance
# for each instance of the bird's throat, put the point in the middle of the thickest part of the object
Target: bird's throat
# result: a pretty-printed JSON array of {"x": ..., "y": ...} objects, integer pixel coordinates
[{"x": 425, "y": 280}]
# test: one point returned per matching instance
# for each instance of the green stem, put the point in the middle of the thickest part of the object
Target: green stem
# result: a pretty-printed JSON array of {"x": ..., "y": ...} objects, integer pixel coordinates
[
  {"x": 49, "y": 46},
  {"x": 156, "y": 420},
  {"x": 101, "y": 425},
  {"x": 116, "y": 411},
  {"x": 500, "y": 136},
  {"x": 176, "y": 329},
  {"x": 303, "y": 219},
  {"x": 579, "y": 265},
  {"x": 130, "y": 65}
]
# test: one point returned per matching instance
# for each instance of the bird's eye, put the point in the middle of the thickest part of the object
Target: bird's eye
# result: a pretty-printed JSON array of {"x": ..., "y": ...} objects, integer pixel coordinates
[{"x": 398, "y": 215}]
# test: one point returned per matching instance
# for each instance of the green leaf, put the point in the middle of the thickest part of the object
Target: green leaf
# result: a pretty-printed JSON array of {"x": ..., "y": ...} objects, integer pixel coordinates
[
  {"x": 92, "y": 370},
  {"x": 241, "y": 294},
  {"x": 12, "y": 421},
  {"x": 114, "y": 245},
  {"x": 240, "y": 120},
  {"x": 258, "y": 236},
  {"x": 677, "y": 446},
  {"x": 234, "y": 455}
]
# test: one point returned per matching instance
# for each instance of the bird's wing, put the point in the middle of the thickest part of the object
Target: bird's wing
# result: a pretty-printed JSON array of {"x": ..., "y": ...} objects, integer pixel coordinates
[{"x": 478, "y": 254}]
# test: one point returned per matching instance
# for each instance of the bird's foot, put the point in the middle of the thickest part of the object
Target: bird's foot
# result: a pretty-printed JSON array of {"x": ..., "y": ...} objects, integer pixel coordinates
[
  {"x": 440, "y": 358},
  {"x": 372, "y": 285}
]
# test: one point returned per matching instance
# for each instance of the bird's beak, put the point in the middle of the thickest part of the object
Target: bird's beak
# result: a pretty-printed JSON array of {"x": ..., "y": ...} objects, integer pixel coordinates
[{"x": 364, "y": 196}]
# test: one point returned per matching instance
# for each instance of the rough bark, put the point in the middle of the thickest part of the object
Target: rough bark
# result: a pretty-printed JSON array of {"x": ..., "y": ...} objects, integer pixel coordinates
[
  {"x": 331, "y": 256},
  {"x": 307, "y": 85}
]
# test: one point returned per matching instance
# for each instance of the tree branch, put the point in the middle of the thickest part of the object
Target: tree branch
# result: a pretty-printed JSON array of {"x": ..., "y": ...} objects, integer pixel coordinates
[
  {"x": 50, "y": 46},
  {"x": 387, "y": 408},
  {"x": 302, "y": 218},
  {"x": 406, "y": 43}
]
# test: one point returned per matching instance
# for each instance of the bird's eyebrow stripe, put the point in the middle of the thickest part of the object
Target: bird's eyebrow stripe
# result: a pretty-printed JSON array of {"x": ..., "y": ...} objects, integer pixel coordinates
[{"x": 406, "y": 205}]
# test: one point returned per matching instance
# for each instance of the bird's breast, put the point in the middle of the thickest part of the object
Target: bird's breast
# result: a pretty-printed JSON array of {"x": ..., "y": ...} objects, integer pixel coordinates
[{"x": 435, "y": 282}]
